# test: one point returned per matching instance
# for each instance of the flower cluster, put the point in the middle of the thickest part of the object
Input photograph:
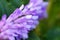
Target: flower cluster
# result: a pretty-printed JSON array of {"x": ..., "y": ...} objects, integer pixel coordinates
[{"x": 22, "y": 20}]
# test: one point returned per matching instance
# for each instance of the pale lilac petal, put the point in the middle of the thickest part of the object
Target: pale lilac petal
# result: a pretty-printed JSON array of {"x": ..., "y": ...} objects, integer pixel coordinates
[
  {"x": 21, "y": 7},
  {"x": 14, "y": 15},
  {"x": 4, "y": 17},
  {"x": 36, "y": 2}
]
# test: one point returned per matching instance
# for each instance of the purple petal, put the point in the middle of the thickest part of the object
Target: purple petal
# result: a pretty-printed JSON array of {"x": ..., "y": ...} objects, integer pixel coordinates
[
  {"x": 4, "y": 17},
  {"x": 14, "y": 15}
]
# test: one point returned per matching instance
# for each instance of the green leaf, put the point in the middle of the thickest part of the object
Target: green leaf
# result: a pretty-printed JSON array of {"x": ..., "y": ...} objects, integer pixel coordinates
[
  {"x": 16, "y": 3},
  {"x": 25, "y": 2},
  {"x": 8, "y": 6},
  {"x": 54, "y": 11},
  {"x": 54, "y": 34}
]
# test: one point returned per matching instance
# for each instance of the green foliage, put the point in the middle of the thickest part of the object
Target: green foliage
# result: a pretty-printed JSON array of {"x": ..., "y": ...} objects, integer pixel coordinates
[
  {"x": 54, "y": 33},
  {"x": 54, "y": 11},
  {"x": 54, "y": 20},
  {"x": 8, "y": 6}
]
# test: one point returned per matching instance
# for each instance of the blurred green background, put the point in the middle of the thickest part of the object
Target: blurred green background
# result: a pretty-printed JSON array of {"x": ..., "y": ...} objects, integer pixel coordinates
[{"x": 48, "y": 29}]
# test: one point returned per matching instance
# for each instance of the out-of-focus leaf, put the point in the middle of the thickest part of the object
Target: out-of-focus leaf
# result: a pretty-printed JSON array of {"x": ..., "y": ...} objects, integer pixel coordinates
[
  {"x": 2, "y": 8},
  {"x": 43, "y": 28},
  {"x": 54, "y": 34},
  {"x": 8, "y": 6},
  {"x": 25, "y": 2},
  {"x": 54, "y": 20},
  {"x": 33, "y": 36},
  {"x": 5, "y": 8},
  {"x": 54, "y": 11},
  {"x": 16, "y": 3}
]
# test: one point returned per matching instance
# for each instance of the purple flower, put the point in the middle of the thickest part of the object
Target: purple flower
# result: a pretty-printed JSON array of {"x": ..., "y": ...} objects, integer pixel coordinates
[{"x": 22, "y": 20}]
